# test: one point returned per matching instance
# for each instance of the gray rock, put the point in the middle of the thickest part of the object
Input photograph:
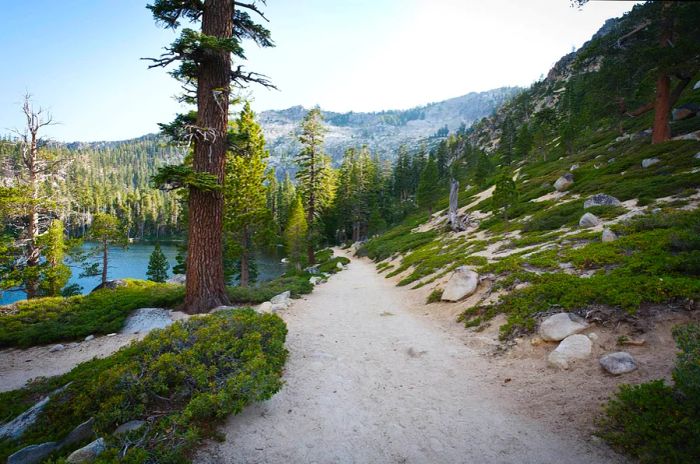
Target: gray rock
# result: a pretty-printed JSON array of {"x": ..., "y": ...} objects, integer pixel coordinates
[
  {"x": 462, "y": 283},
  {"x": 650, "y": 162},
  {"x": 73, "y": 345},
  {"x": 589, "y": 220},
  {"x": 265, "y": 307},
  {"x": 559, "y": 326},
  {"x": 313, "y": 270},
  {"x": 144, "y": 320},
  {"x": 696, "y": 86},
  {"x": 110, "y": 285},
  {"x": 177, "y": 279},
  {"x": 697, "y": 156},
  {"x": 89, "y": 337},
  {"x": 564, "y": 182},
  {"x": 129, "y": 427},
  {"x": 573, "y": 167},
  {"x": 17, "y": 426},
  {"x": 608, "y": 236},
  {"x": 113, "y": 334},
  {"x": 618, "y": 363},
  {"x": 685, "y": 111},
  {"x": 222, "y": 308},
  {"x": 276, "y": 307},
  {"x": 339, "y": 265},
  {"x": 315, "y": 280},
  {"x": 33, "y": 454},
  {"x": 81, "y": 433},
  {"x": 87, "y": 453},
  {"x": 600, "y": 199},
  {"x": 55, "y": 348},
  {"x": 281, "y": 298},
  {"x": 569, "y": 350}
]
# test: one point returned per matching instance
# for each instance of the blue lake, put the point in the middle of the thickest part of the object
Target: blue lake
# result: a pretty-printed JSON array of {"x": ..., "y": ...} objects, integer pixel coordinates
[{"x": 132, "y": 262}]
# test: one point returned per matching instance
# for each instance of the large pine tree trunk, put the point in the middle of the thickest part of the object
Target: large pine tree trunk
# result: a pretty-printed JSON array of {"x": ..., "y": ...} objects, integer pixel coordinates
[
  {"x": 661, "y": 131},
  {"x": 206, "y": 288}
]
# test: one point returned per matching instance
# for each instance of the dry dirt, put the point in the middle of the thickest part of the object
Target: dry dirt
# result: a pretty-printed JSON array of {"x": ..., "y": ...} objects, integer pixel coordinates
[{"x": 375, "y": 376}]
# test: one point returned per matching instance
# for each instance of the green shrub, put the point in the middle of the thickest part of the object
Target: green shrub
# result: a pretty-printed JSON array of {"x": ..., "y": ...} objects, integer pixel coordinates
[
  {"x": 181, "y": 380},
  {"x": 297, "y": 284},
  {"x": 331, "y": 265},
  {"x": 434, "y": 296},
  {"x": 46, "y": 320},
  {"x": 655, "y": 422}
]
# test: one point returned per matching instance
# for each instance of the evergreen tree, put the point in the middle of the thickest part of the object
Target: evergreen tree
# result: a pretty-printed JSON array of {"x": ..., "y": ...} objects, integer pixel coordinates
[
  {"x": 207, "y": 73},
  {"x": 506, "y": 194},
  {"x": 428, "y": 187},
  {"x": 107, "y": 230},
  {"x": 315, "y": 177},
  {"x": 295, "y": 235},
  {"x": 158, "y": 265},
  {"x": 247, "y": 219},
  {"x": 55, "y": 274}
]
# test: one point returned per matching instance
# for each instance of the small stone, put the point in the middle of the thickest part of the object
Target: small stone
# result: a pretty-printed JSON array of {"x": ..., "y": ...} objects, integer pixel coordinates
[
  {"x": 276, "y": 307},
  {"x": 570, "y": 349},
  {"x": 265, "y": 307},
  {"x": 339, "y": 265},
  {"x": 697, "y": 156},
  {"x": 608, "y": 236},
  {"x": 536, "y": 341},
  {"x": 281, "y": 298},
  {"x": 574, "y": 167},
  {"x": 89, "y": 337},
  {"x": 564, "y": 182},
  {"x": 650, "y": 162},
  {"x": 129, "y": 427},
  {"x": 315, "y": 280},
  {"x": 112, "y": 334},
  {"x": 55, "y": 348},
  {"x": 81, "y": 433},
  {"x": 618, "y": 363},
  {"x": 589, "y": 220},
  {"x": 73, "y": 345},
  {"x": 462, "y": 283},
  {"x": 87, "y": 453},
  {"x": 33, "y": 454},
  {"x": 561, "y": 325},
  {"x": 593, "y": 336},
  {"x": 600, "y": 199}
]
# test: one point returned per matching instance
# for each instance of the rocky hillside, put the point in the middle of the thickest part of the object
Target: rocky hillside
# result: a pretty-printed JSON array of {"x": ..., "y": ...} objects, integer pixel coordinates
[{"x": 383, "y": 131}]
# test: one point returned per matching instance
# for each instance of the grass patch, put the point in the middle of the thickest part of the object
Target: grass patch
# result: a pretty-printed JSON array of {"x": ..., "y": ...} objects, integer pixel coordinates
[
  {"x": 656, "y": 422},
  {"x": 182, "y": 380},
  {"x": 434, "y": 296}
]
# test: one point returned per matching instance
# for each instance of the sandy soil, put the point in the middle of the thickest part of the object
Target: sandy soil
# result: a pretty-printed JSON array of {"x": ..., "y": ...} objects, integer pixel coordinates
[
  {"x": 375, "y": 377},
  {"x": 17, "y": 367}
]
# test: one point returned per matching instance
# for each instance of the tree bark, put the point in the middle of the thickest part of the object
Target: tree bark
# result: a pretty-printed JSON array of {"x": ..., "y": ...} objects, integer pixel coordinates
[
  {"x": 661, "y": 130},
  {"x": 205, "y": 287},
  {"x": 33, "y": 250},
  {"x": 454, "y": 200}
]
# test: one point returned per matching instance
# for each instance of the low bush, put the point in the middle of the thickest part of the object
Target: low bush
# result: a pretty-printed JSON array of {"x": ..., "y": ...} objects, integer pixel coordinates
[
  {"x": 434, "y": 296},
  {"x": 297, "y": 284},
  {"x": 181, "y": 380},
  {"x": 46, "y": 320},
  {"x": 659, "y": 423},
  {"x": 331, "y": 265}
]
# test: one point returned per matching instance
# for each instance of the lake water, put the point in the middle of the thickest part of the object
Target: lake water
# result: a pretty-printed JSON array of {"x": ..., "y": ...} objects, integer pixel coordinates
[{"x": 133, "y": 263}]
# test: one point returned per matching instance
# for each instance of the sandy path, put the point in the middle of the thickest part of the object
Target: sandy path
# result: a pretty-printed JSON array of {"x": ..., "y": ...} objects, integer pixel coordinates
[{"x": 369, "y": 381}]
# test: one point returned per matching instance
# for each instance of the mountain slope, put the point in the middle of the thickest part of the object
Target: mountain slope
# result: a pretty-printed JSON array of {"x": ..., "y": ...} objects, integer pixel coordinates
[{"x": 382, "y": 131}]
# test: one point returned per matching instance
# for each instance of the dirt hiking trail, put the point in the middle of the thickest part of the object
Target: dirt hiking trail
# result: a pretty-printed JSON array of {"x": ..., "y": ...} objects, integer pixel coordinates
[{"x": 368, "y": 381}]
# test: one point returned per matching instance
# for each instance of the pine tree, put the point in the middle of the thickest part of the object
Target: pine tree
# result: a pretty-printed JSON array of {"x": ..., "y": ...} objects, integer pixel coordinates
[
  {"x": 315, "y": 177},
  {"x": 247, "y": 219},
  {"x": 207, "y": 73},
  {"x": 295, "y": 235},
  {"x": 55, "y": 273},
  {"x": 157, "y": 265},
  {"x": 428, "y": 192},
  {"x": 506, "y": 194},
  {"x": 107, "y": 230}
]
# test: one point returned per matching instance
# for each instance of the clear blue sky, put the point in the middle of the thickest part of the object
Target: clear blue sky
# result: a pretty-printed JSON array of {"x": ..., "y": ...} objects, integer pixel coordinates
[{"x": 80, "y": 58}]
